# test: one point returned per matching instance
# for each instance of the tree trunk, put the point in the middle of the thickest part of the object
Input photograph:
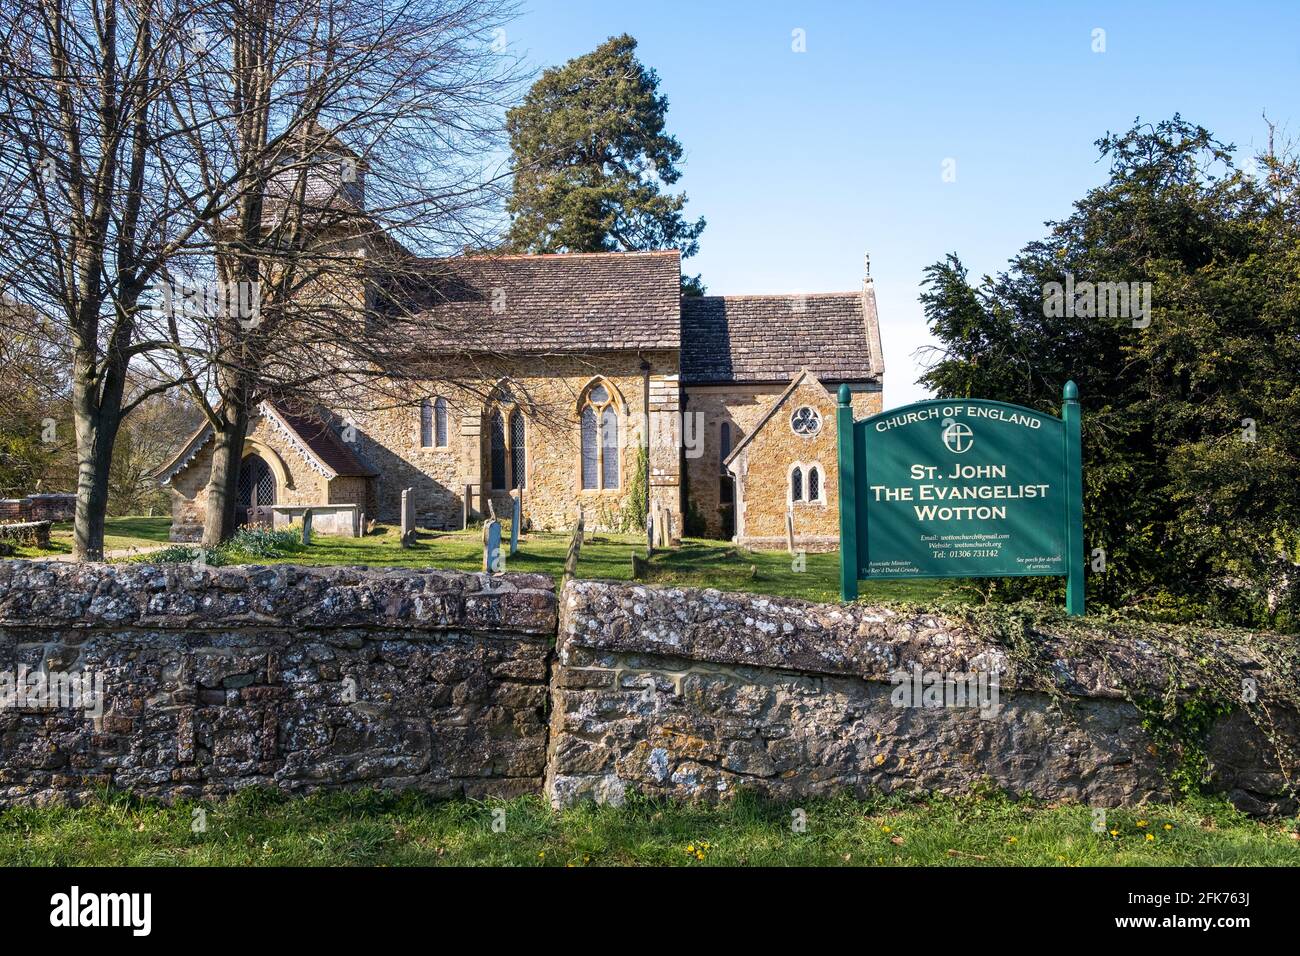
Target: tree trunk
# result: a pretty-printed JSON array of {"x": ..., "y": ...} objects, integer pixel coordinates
[
  {"x": 97, "y": 415},
  {"x": 92, "y": 499},
  {"x": 219, "y": 522}
]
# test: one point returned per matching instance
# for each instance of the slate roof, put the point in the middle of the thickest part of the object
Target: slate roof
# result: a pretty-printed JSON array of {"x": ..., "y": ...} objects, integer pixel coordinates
[
  {"x": 550, "y": 303},
  {"x": 771, "y": 338}
]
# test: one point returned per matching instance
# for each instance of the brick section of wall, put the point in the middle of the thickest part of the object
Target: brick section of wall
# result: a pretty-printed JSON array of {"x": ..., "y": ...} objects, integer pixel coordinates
[
  {"x": 302, "y": 679},
  {"x": 694, "y": 694},
  {"x": 44, "y": 507}
]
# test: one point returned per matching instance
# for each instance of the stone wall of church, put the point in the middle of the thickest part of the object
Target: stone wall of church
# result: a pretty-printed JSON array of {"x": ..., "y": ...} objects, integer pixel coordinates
[
  {"x": 548, "y": 389},
  {"x": 189, "y": 489},
  {"x": 743, "y": 407}
]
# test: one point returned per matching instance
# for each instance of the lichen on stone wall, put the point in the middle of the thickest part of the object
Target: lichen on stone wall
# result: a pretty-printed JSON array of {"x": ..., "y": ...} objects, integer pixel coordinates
[
  {"x": 302, "y": 679},
  {"x": 215, "y": 679},
  {"x": 695, "y": 694}
]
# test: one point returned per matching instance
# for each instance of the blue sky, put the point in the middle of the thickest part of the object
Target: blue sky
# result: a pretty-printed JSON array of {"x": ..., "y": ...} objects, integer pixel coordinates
[{"x": 801, "y": 162}]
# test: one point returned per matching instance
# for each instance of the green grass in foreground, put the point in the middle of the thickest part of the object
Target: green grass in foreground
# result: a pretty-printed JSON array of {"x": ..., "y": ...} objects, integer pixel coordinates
[{"x": 264, "y": 828}]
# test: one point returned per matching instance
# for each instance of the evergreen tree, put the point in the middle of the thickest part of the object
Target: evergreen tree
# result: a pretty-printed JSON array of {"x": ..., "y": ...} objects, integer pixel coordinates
[
  {"x": 592, "y": 158},
  {"x": 1191, "y": 454}
]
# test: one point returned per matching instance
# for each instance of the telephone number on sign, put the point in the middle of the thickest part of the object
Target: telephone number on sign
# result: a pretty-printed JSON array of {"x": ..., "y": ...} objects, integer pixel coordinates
[{"x": 968, "y": 553}]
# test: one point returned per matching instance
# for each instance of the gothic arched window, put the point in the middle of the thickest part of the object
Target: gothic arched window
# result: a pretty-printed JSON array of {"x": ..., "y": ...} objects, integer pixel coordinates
[
  {"x": 507, "y": 440},
  {"x": 598, "y": 424},
  {"x": 517, "y": 450},
  {"x": 806, "y": 484},
  {"x": 433, "y": 423},
  {"x": 498, "y": 451}
]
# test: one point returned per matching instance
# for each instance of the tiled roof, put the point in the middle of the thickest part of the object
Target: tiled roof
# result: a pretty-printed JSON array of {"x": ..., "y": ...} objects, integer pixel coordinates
[
  {"x": 550, "y": 303},
  {"x": 324, "y": 443},
  {"x": 315, "y": 439},
  {"x": 769, "y": 338}
]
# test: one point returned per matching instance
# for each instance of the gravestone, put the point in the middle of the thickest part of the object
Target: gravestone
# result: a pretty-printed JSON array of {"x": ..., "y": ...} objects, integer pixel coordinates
[
  {"x": 467, "y": 508},
  {"x": 492, "y": 560},
  {"x": 516, "y": 514},
  {"x": 408, "y": 517},
  {"x": 306, "y": 527},
  {"x": 575, "y": 549},
  {"x": 663, "y": 526},
  {"x": 789, "y": 531}
]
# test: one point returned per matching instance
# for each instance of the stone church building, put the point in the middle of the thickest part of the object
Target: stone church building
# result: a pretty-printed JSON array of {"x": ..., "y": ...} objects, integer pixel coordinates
[{"x": 615, "y": 396}]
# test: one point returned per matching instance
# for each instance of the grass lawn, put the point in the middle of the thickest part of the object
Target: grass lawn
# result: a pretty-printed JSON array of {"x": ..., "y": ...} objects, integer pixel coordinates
[
  {"x": 119, "y": 534},
  {"x": 697, "y": 563},
  {"x": 260, "y": 827}
]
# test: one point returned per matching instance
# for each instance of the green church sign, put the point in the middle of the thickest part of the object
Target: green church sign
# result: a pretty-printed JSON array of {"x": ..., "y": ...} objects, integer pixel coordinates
[{"x": 961, "y": 488}]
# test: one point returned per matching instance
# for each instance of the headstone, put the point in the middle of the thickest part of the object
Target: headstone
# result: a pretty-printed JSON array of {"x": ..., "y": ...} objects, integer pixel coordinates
[
  {"x": 306, "y": 527},
  {"x": 663, "y": 527},
  {"x": 361, "y": 525},
  {"x": 575, "y": 549},
  {"x": 789, "y": 531},
  {"x": 408, "y": 517},
  {"x": 467, "y": 507},
  {"x": 639, "y": 565},
  {"x": 492, "y": 560},
  {"x": 651, "y": 529},
  {"x": 516, "y": 515}
]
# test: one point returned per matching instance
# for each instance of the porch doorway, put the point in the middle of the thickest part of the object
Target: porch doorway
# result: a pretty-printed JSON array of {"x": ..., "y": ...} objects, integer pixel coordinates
[{"x": 256, "y": 492}]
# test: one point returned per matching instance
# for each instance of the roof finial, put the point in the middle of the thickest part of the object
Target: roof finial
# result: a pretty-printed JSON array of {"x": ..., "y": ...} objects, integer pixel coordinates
[{"x": 866, "y": 265}]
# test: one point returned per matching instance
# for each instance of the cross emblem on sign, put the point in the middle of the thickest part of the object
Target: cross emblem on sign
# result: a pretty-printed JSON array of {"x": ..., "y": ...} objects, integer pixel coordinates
[{"x": 957, "y": 437}]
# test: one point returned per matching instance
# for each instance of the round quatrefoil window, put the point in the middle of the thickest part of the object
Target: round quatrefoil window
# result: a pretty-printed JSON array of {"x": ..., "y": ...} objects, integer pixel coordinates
[{"x": 806, "y": 421}]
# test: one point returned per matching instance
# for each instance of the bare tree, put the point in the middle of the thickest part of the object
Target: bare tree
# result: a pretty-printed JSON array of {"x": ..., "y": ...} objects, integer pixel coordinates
[
  {"x": 279, "y": 155},
  {"x": 89, "y": 219},
  {"x": 355, "y": 135}
]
